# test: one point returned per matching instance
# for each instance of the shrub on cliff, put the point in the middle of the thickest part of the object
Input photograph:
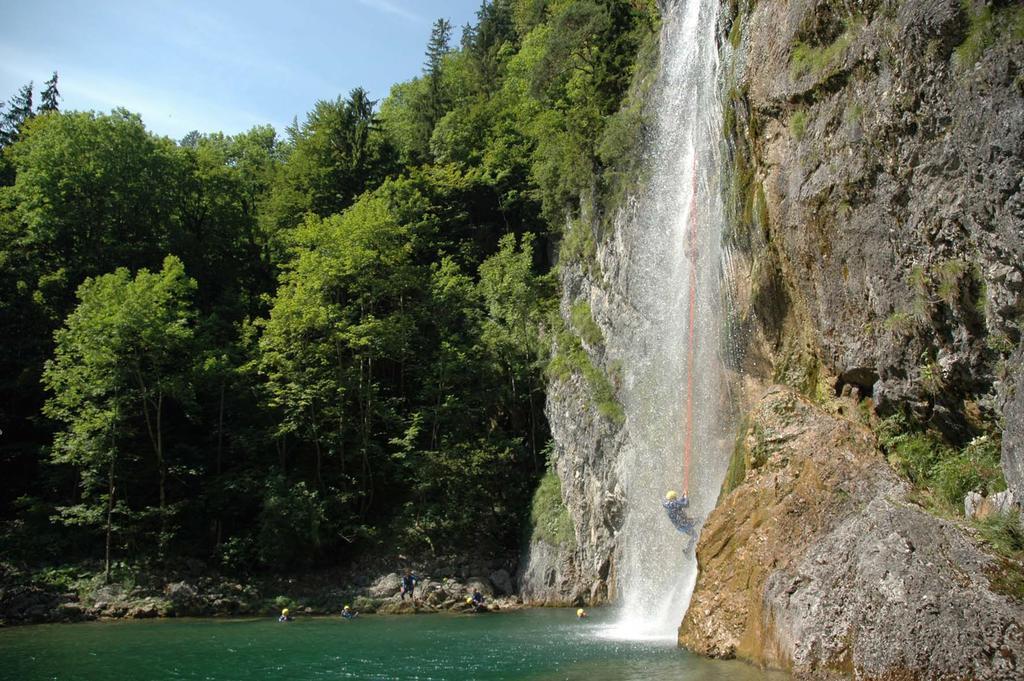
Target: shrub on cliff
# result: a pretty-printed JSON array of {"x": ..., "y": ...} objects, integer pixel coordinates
[
  {"x": 548, "y": 514},
  {"x": 947, "y": 472}
]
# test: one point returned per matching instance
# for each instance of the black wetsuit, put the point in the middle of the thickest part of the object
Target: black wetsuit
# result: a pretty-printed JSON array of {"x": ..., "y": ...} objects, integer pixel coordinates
[{"x": 408, "y": 586}]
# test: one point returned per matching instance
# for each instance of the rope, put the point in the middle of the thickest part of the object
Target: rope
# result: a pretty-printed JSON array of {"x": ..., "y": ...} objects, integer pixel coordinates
[{"x": 692, "y": 252}]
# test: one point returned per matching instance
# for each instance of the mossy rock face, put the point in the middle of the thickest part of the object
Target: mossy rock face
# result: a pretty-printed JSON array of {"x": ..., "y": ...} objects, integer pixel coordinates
[
  {"x": 852, "y": 259},
  {"x": 366, "y": 604},
  {"x": 820, "y": 545},
  {"x": 739, "y": 463},
  {"x": 396, "y": 606},
  {"x": 548, "y": 514}
]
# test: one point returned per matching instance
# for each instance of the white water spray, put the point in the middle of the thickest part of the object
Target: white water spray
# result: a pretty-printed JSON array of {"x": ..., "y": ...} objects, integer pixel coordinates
[{"x": 655, "y": 578}]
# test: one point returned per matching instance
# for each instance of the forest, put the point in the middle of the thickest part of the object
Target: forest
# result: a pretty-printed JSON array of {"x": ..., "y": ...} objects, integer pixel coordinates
[{"x": 276, "y": 351}]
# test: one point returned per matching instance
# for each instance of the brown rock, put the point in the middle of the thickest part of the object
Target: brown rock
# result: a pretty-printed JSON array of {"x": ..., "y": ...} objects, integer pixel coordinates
[{"x": 818, "y": 564}]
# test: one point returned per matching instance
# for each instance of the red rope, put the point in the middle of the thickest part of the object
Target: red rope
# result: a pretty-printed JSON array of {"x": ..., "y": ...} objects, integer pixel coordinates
[{"x": 692, "y": 252}]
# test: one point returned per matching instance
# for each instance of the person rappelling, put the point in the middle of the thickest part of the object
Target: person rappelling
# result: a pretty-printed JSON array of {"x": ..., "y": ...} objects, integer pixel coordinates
[{"x": 677, "y": 507}]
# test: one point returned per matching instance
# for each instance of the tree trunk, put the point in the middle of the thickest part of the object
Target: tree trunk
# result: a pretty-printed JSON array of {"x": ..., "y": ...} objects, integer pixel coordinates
[
  {"x": 163, "y": 471},
  {"x": 219, "y": 522},
  {"x": 220, "y": 429},
  {"x": 160, "y": 450},
  {"x": 110, "y": 516},
  {"x": 437, "y": 407},
  {"x": 316, "y": 447},
  {"x": 156, "y": 437}
]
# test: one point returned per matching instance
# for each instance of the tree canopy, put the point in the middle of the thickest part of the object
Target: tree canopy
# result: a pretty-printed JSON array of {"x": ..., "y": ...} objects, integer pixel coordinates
[{"x": 267, "y": 352}]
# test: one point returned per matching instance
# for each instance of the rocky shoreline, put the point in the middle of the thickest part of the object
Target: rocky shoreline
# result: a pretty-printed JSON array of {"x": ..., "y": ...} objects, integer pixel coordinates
[{"x": 29, "y": 599}]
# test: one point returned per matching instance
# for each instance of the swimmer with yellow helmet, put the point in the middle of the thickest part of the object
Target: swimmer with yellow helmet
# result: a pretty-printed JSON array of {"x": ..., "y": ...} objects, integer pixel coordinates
[
  {"x": 348, "y": 613},
  {"x": 581, "y": 613},
  {"x": 285, "y": 617},
  {"x": 676, "y": 509},
  {"x": 476, "y": 601}
]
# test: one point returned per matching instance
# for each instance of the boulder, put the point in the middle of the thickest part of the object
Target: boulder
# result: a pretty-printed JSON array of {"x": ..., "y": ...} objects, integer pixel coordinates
[
  {"x": 185, "y": 599},
  {"x": 502, "y": 582},
  {"x": 972, "y": 502},
  {"x": 70, "y": 611},
  {"x": 142, "y": 611},
  {"x": 818, "y": 563},
  {"x": 385, "y": 586},
  {"x": 396, "y": 606},
  {"x": 366, "y": 604},
  {"x": 180, "y": 593},
  {"x": 226, "y": 606},
  {"x": 1000, "y": 503}
]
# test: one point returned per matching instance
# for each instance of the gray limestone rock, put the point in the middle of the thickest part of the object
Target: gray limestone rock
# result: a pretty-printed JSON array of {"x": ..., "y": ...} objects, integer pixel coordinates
[
  {"x": 1013, "y": 434},
  {"x": 971, "y": 503},
  {"x": 502, "y": 582},
  {"x": 819, "y": 563},
  {"x": 888, "y": 175},
  {"x": 387, "y": 585}
]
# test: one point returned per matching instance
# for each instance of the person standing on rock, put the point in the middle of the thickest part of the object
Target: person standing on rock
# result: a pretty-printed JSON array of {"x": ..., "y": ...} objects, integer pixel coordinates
[
  {"x": 676, "y": 509},
  {"x": 409, "y": 585}
]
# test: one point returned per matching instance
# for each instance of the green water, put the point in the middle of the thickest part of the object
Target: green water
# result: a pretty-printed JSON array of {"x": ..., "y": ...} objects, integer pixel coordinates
[{"x": 531, "y": 644}]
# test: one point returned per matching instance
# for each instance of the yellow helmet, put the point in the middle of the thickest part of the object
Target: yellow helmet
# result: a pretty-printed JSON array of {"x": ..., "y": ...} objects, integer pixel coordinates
[
  {"x": 671, "y": 495},
  {"x": 285, "y": 611},
  {"x": 581, "y": 612},
  {"x": 347, "y": 608},
  {"x": 469, "y": 599}
]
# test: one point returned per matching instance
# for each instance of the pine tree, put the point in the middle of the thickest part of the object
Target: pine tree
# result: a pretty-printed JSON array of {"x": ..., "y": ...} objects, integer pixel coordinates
[
  {"x": 50, "y": 95},
  {"x": 437, "y": 48},
  {"x": 19, "y": 111},
  {"x": 483, "y": 42}
]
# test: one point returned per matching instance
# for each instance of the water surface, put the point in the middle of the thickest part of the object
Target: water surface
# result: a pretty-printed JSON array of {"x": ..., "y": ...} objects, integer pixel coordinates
[{"x": 530, "y": 644}]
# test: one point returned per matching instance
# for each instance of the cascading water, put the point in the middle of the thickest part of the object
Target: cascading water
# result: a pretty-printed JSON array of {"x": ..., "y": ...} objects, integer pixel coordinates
[{"x": 655, "y": 577}]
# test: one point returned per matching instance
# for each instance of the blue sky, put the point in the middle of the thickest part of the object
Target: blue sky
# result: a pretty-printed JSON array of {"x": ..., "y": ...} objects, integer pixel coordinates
[{"x": 217, "y": 65}]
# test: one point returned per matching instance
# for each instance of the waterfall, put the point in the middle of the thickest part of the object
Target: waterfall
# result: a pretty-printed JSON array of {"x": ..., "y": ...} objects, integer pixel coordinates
[{"x": 655, "y": 579}]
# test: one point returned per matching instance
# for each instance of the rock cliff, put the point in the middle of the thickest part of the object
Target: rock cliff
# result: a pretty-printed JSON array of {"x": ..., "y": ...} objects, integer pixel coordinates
[
  {"x": 818, "y": 563},
  {"x": 587, "y": 447},
  {"x": 877, "y": 155},
  {"x": 877, "y": 224}
]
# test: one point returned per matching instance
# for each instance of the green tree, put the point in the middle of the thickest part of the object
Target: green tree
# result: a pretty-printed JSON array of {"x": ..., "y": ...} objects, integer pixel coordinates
[
  {"x": 221, "y": 181},
  {"x": 437, "y": 48},
  {"x": 340, "y": 326},
  {"x": 118, "y": 359},
  {"x": 403, "y": 120},
  {"x": 91, "y": 191},
  {"x": 19, "y": 110},
  {"x": 490, "y": 42},
  {"x": 336, "y": 155},
  {"x": 518, "y": 301},
  {"x": 50, "y": 95}
]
